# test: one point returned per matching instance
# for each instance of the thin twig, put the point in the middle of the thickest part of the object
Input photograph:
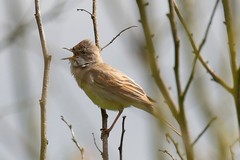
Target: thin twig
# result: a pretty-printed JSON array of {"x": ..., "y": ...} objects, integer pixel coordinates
[
  {"x": 43, "y": 100},
  {"x": 95, "y": 25},
  {"x": 117, "y": 36},
  {"x": 176, "y": 41},
  {"x": 208, "y": 26},
  {"x": 204, "y": 130},
  {"x": 231, "y": 150},
  {"x": 176, "y": 145},
  {"x": 84, "y": 10},
  {"x": 199, "y": 50},
  {"x": 95, "y": 143},
  {"x": 81, "y": 149},
  {"x": 122, "y": 136},
  {"x": 104, "y": 135},
  {"x": 166, "y": 152}
]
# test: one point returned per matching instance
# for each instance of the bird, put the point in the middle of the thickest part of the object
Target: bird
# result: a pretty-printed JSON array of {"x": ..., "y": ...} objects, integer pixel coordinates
[{"x": 107, "y": 87}]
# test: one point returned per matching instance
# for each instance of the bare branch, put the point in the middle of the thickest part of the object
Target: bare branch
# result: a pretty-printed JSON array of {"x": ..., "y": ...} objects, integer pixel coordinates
[
  {"x": 95, "y": 26},
  {"x": 95, "y": 143},
  {"x": 231, "y": 39},
  {"x": 117, "y": 36},
  {"x": 204, "y": 130},
  {"x": 104, "y": 136},
  {"x": 43, "y": 100},
  {"x": 215, "y": 77},
  {"x": 84, "y": 10},
  {"x": 176, "y": 41},
  {"x": 181, "y": 116},
  {"x": 199, "y": 50},
  {"x": 152, "y": 60},
  {"x": 231, "y": 150},
  {"x": 81, "y": 149},
  {"x": 166, "y": 152},
  {"x": 208, "y": 26},
  {"x": 169, "y": 138},
  {"x": 233, "y": 55},
  {"x": 122, "y": 136}
]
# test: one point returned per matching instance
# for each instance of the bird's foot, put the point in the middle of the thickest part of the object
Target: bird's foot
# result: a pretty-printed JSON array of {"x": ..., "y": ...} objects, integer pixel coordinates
[{"x": 105, "y": 132}]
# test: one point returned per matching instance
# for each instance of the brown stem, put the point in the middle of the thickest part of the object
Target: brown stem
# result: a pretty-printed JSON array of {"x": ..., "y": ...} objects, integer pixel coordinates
[
  {"x": 182, "y": 117},
  {"x": 104, "y": 136},
  {"x": 233, "y": 56},
  {"x": 120, "y": 148},
  {"x": 43, "y": 100},
  {"x": 103, "y": 111}
]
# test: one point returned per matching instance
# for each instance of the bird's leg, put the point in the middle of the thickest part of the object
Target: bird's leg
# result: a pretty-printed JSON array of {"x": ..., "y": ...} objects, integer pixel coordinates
[{"x": 107, "y": 131}]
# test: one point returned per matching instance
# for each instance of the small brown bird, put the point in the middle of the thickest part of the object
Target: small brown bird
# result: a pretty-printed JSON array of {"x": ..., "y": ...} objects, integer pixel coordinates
[{"x": 107, "y": 87}]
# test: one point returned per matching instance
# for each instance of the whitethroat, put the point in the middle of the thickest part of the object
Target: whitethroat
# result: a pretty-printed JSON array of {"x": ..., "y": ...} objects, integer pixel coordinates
[{"x": 107, "y": 87}]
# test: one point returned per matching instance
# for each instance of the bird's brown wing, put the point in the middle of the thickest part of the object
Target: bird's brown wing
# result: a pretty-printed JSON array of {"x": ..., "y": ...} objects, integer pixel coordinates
[{"x": 119, "y": 84}]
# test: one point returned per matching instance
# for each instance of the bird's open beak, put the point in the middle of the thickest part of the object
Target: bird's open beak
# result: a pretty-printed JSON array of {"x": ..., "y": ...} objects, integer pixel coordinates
[{"x": 68, "y": 58}]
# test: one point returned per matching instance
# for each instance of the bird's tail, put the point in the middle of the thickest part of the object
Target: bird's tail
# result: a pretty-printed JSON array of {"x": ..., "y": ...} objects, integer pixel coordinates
[{"x": 155, "y": 111}]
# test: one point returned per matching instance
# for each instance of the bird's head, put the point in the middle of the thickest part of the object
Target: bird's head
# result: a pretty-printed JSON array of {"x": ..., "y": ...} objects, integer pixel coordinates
[{"x": 84, "y": 53}]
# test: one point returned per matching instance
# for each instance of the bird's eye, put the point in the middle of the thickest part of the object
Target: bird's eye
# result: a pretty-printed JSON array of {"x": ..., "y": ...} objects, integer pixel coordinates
[{"x": 83, "y": 53}]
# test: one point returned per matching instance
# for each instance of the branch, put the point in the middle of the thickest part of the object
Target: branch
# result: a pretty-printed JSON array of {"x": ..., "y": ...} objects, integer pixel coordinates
[
  {"x": 117, "y": 36},
  {"x": 231, "y": 150},
  {"x": 95, "y": 26},
  {"x": 199, "y": 50},
  {"x": 233, "y": 56},
  {"x": 231, "y": 39},
  {"x": 104, "y": 135},
  {"x": 169, "y": 138},
  {"x": 204, "y": 130},
  {"x": 122, "y": 135},
  {"x": 165, "y": 151},
  {"x": 215, "y": 77},
  {"x": 181, "y": 116},
  {"x": 153, "y": 63},
  {"x": 43, "y": 100},
  {"x": 73, "y": 137},
  {"x": 95, "y": 143},
  {"x": 84, "y": 10},
  {"x": 176, "y": 41}
]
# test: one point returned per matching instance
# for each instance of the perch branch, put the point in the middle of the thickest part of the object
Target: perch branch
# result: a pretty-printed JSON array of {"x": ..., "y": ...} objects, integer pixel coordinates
[
  {"x": 122, "y": 136},
  {"x": 95, "y": 25},
  {"x": 104, "y": 135}
]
